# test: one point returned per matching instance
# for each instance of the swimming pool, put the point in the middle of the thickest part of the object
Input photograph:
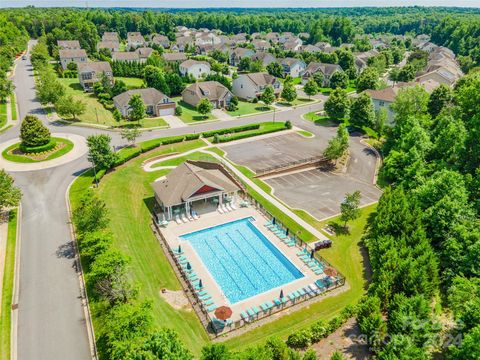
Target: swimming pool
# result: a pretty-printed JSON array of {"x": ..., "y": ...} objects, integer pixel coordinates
[{"x": 241, "y": 259}]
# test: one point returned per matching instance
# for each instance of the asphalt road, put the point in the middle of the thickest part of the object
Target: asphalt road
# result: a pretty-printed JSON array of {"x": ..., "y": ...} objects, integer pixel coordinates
[{"x": 51, "y": 324}]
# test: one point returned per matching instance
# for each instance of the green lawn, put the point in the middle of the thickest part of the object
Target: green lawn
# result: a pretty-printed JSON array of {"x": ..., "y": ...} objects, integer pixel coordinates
[
  {"x": 296, "y": 102},
  {"x": 305, "y": 133},
  {"x": 7, "y": 292},
  {"x": 145, "y": 123},
  {"x": 25, "y": 159},
  {"x": 245, "y": 108},
  {"x": 130, "y": 223},
  {"x": 13, "y": 106},
  {"x": 130, "y": 219},
  {"x": 347, "y": 256},
  {"x": 189, "y": 114},
  {"x": 351, "y": 87},
  {"x": 321, "y": 120},
  {"x": 132, "y": 83},
  {"x": 95, "y": 112},
  {"x": 3, "y": 114}
]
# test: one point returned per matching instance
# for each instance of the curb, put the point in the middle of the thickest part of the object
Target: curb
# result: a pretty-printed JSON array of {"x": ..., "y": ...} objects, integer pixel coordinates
[
  {"x": 81, "y": 278},
  {"x": 16, "y": 289}
]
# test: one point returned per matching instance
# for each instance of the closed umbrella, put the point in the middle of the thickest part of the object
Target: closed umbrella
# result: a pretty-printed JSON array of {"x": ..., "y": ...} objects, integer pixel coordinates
[
  {"x": 286, "y": 232},
  {"x": 274, "y": 221},
  {"x": 179, "y": 249},
  {"x": 281, "y": 294},
  {"x": 223, "y": 313},
  {"x": 312, "y": 254},
  {"x": 200, "y": 283},
  {"x": 189, "y": 267}
]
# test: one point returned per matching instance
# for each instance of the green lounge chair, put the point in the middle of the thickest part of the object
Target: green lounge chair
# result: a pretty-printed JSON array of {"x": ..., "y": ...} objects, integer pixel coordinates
[
  {"x": 256, "y": 310},
  {"x": 301, "y": 292},
  {"x": 193, "y": 278},
  {"x": 205, "y": 297},
  {"x": 203, "y": 292},
  {"x": 244, "y": 316},
  {"x": 251, "y": 312},
  {"x": 212, "y": 308},
  {"x": 269, "y": 304},
  {"x": 264, "y": 307},
  {"x": 192, "y": 274},
  {"x": 296, "y": 294},
  {"x": 291, "y": 296},
  {"x": 277, "y": 301},
  {"x": 318, "y": 272},
  {"x": 208, "y": 302}
]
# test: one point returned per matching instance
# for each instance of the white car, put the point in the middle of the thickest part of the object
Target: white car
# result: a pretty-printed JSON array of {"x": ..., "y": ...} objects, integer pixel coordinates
[{"x": 24, "y": 57}]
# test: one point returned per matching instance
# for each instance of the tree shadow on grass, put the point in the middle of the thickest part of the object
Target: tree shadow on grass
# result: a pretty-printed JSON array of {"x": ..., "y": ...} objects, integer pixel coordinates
[
  {"x": 76, "y": 86},
  {"x": 151, "y": 204},
  {"x": 338, "y": 228}
]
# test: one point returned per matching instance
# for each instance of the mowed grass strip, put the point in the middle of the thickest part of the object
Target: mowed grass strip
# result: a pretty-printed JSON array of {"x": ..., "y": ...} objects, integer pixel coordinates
[
  {"x": 3, "y": 114},
  {"x": 13, "y": 106},
  {"x": 7, "y": 292},
  {"x": 245, "y": 108},
  {"x": 129, "y": 196}
]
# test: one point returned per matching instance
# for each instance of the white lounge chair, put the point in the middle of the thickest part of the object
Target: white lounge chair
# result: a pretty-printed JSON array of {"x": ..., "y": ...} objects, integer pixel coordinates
[
  {"x": 233, "y": 206},
  {"x": 189, "y": 217},
  {"x": 224, "y": 208},
  {"x": 220, "y": 210},
  {"x": 184, "y": 218},
  {"x": 195, "y": 216},
  {"x": 227, "y": 205},
  {"x": 177, "y": 219}
]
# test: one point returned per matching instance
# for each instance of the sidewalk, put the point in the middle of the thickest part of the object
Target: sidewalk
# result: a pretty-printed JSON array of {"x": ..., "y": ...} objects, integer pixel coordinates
[{"x": 3, "y": 249}]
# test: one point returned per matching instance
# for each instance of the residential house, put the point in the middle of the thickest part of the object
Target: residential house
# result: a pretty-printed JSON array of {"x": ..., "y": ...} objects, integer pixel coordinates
[
  {"x": 326, "y": 69},
  {"x": 144, "y": 53},
  {"x": 160, "y": 40},
  {"x": 91, "y": 72},
  {"x": 265, "y": 57},
  {"x": 215, "y": 92},
  {"x": 240, "y": 38},
  {"x": 293, "y": 45},
  {"x": 194, "y": 68},
  {"x": 238, "y": 54},
  {"x": 110, "y": 45},
  {"x": 182, "y": 42},
  {"x": 322, "y": 45},
  {"x": 361, "y": 59},
  {"x": 110, "y": 36},
  {"x": 293, "y": 67},
  {"x": 261, "y": 45},
  {"x": 76, "y": 56},
  {"x": 310, "y": 48},
  {"x": 156, "y": 102},
  {"x": 272, "y": 37},
  {"x": 126, "y": 56},
  {"x": 304, "y": 35},
  {"x": 250, "y": 86},
  {"x": 174, "y": 57},
  {"x": 134, "y": 40},
  {"x": 207, "y": 39},
  {"x": 68, "y": 44}
]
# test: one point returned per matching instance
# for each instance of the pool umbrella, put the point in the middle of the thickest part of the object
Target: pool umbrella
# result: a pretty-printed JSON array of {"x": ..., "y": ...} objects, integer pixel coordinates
[
  {"x": 281, "y": 294},
  {"x": 189, "y": 267},
  {"x": 286, "y": 232},
  {"x": 330, "y": 271},
  {"x": 223, "y": 313},
  {"x": 274, "y": 221},
  {"x": 179, "y": 249},
  {"x": 312, "y": 254},
  {"x": 200, "y": 284}
]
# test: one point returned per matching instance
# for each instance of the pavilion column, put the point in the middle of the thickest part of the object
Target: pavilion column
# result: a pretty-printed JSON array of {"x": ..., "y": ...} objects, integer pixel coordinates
[{"x": 187, "y": 207}]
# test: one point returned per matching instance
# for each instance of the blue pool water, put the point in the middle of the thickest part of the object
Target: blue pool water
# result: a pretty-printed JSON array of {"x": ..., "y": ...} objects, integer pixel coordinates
[{"x": 241, "y": 259}]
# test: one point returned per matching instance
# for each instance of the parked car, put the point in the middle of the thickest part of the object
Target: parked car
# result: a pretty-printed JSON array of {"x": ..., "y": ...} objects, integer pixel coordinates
[{"x": 24, "y": 57}]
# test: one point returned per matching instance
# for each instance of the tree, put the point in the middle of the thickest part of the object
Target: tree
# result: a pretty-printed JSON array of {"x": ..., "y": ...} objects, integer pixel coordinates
[
  {"x": 136, "y": 108},
  {"x": 368, "y": 79},
  {"x": 381, "y": 117},
  {"x": 91, "y": 215},
  {"x": 441, "y": 97},
  {"x": 289, "y": 93},
  {"x": 275, "y": 69},
  {"x": 6, "y": 88},
  {"x": 336, "y": 355},
  {"x": 256, "y": 66},
  {"x": 338, "y": 145},
  {"x": 100, "y": 152},
  {"x": 410, "y": 101},
  {"x": 49, "y": 89},
  {"x": 155, "y": 77},
  {"x": 215, "y": 352},
  {"x": 311, "y": 87},
  {"x": 469, "y": 349},
  {"x": 117, "y": 115},
  {"x": 362, "y": 112},
  {"x": 349, "y": 207},
  {"x": 9, "y": 194},
  {"x": 319, "y": 78},
  {"x": 339, "y": 79},
  {"x": 204, "y": 107},
  {"x": 33, "y": 133},
  {"x": 268, "y": 95},
  {"x": 244, "y": 64},
  {"x": 68, "y": 106},
  {"x": 130, "y": 135},
  {"x": 337, "y": 105}
]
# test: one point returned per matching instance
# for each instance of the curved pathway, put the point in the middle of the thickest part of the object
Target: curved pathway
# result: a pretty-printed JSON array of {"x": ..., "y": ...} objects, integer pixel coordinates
[{"x": 51, "y": 321}]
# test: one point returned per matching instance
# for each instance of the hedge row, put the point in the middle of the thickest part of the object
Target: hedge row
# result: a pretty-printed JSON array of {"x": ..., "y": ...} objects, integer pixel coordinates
[
  {"x": 38, "y": 149},
  {"x": 319, "y": 330},
  {"x": 222, "y": 139},
  {"x": 237, "y": 129}
]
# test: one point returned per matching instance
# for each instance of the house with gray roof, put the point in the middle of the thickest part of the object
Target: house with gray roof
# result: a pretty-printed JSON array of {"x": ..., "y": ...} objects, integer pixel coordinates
[
  {"x": 327, "y": 71},
  {"x": 293, "y": 66},
  {"x": 134, "y": 40},
  {"x": 110, "y": 36},
  {"x": 161, "y": 40},
  {"x": 174, "y": 57},
  {"x": 108, "y": 44},
  {"x": 68, "y": 44},
  {"x": 156, "y": 102},
  {"x": 125, "y": 56},
  {"x": 252, "y": 85},
  {"x": 238, "y": 54},
  {"x": 68, "y": 56},
  {"x": 194, "y": 68},
  {"x": 215, "y": 92},
  {"x": 91, "y": 72},
  {"x": 264, "y": 57}
]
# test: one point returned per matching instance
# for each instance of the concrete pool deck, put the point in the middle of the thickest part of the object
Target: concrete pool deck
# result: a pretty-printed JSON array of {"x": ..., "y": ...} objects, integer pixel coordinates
[{"x": 173, "y": 231}]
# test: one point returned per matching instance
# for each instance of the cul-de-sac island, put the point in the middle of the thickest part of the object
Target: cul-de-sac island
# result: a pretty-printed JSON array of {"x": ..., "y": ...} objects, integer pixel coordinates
[{"x": 223, "y": 184}]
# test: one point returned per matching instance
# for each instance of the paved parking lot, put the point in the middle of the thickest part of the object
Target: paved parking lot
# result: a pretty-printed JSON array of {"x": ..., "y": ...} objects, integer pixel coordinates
[
  {"x": 320, "y": 192},
  {"x": 273, "y": 151},
  {"x": 317, "y": 191}
]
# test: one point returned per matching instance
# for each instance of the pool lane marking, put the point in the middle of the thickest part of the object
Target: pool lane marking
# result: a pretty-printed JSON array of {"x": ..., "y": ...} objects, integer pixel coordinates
[{"x": 258, "y": 255}]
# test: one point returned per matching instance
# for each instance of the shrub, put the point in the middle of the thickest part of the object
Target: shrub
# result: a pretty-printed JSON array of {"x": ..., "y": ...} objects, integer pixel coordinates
[
  {"x": 173, "y": 140},
  {"x": 300, "y": 339},
  {"x": 38, "y": 149},
  {"x": 288, "y": 124},
  {"x": 226, "y": 138},
  {"x": 192, "y": 137},
  {"x": 208, "y": 134},
  {"x": 33, "y": 133},
  {"x": 178, "y": 110},
  {"x": 255, "y": 100},
  {"x": 318, "y": 331},
  {"x": 216, "y": 138}
]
